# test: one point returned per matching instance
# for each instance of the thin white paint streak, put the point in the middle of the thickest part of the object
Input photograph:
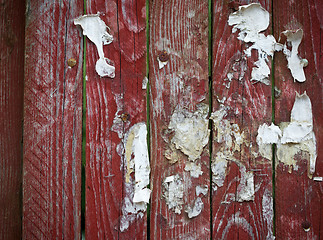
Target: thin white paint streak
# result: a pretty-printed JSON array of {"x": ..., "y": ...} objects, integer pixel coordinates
[
  {"x": 268, "y": 213},
  {"x": 173, "y": 192},
  {"x": 295, "y": 63},
  {"x": 96, "y": 30},
  {"x": 237, "y": 220}
]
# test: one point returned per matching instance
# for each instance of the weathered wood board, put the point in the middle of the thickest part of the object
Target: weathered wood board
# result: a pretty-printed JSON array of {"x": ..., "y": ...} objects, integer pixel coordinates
[
  {"x": 242, "y": 204},
  {"x": 12, "y": 43},
  {"x": 115, "y": 108},
  {"x": 52, "y": 121},
  {"x": 299, "y": 198},
  {"x": 178, "y": 76}
]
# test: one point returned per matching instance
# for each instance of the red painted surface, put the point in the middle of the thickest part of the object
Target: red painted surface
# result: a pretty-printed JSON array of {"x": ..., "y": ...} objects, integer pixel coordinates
[
  {"x": 52, "y": 122},
  {"x": 181, "y": 29},
  {"x": 299, "y": 198},
  {"x": 11, "y": 113},
  {"x": 248, "y": 105},
  {"x": 107, "y": 99}
]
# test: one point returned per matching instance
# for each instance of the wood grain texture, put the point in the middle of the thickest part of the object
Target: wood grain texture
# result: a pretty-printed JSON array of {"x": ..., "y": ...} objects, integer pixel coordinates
[
  {"x": 12, "y": 26},
  {"x": 52, "y": 122},
  {"x": 179, "y": 28},
  {"x": 245, "y": 106},
  {"x": 299, "y": 199},
  {"x": 113, "y": 107}
]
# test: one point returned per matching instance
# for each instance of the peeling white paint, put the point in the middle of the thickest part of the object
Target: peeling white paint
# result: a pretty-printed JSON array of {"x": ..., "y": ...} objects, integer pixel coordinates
[
  {"x": 191, "y": 133},
  {"x": 219, "y": 168},
  {"x": 96, "y": 30},
  {"x": 136, "y": 146},
  {"x": 173, "y": 192},
  {"x": 194, "y": 169},
  {"x": 246, "y": 187},
  {"x": 203, "y": 189},
  {"x": 295, "y": 63},
  {"x": 251, "y": 20},
  {"x": 196, "y": 209},
  {"x": 298, "y": 135}
]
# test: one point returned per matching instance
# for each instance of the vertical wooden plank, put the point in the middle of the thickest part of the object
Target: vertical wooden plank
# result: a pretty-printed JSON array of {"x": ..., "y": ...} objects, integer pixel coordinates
[
  {"x": 242, "y": 205},
  {"x": 179, "y": 127},
  {"x": 299, "y": 199},
  {"x": 12, "y": 26},
  {"x": 52, "y": 121},
  {"x": 114, "y": 107}
]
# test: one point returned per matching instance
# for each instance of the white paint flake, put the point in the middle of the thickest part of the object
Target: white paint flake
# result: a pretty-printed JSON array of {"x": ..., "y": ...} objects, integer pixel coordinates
[
  {"x": 173, "y": 192},
  {"x": 194, "y": 169},
  {"x": 96, "y": 30},
  {"x": 246, "y": 187},
  {"x": 295, "y": 63},
  {"x": 267, "y": 135},
  {"x": 318, "y": 179},
  {"x": 161, "y": 64},
  {"x": 144, "y": 83},
  {"x": 191, "y": 133},
  {"x": 251, "y": 20},
  {"x": 137, "y": 161},
  {"x": 196, "y": 209},
  {"x": 203, "y": 189}
]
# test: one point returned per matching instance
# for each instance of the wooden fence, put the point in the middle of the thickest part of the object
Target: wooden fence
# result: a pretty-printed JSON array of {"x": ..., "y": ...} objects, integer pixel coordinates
[{"x": 184, "y": 116}]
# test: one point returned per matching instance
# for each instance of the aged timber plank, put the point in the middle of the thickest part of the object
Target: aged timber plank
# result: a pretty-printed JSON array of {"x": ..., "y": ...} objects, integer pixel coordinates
[
  {"x": 242, "y": 205},
  {"x": 299, "y": 198},
  {"x": 116, "y": 107},
  {"x": 11, "y": 113},
  {"x": 52, "y": 121},
  {"x": 179, "y": 124}
]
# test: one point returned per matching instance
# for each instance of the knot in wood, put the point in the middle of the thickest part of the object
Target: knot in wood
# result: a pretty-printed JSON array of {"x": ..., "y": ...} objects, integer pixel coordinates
[
  {"x": 71, "y": 62},
  {"x": 163, "y": 56},
  {"x": 125, "y": 117}
]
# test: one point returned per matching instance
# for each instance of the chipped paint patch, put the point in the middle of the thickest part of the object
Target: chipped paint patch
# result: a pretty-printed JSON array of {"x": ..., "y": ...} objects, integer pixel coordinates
[
  {"x": 246, "y": 187},
  {"x": 219, "y": 170},
  {"x": 137, "y": 161},
  {"x": 96, "y": 30},
  {"x": 298, "y": 135},
  {"x": 173, "y": 192},
  {"x": 191, "y": 133},
  {"x": 194, "y": 169},
  {"x": 295, "y": 63},
  {"x": 203, "y": 189},
  {"x": 251, "y": 20},
  {"x": 196, "y": 209}
]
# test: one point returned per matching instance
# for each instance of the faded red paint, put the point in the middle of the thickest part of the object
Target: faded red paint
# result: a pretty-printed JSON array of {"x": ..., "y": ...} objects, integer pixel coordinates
[{"x": 52, "y": 122}]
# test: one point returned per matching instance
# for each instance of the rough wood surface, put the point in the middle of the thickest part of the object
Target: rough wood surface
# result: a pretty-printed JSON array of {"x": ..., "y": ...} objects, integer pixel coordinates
[
  {"x": 11, "y": 113},
  {"x": 240, "y": 107},
  {"x": 178, "y": 36},
  {"x": 52, "y": 121},
  {"x": 114, "y": 105},
  {"x": 299, "y": 199}
]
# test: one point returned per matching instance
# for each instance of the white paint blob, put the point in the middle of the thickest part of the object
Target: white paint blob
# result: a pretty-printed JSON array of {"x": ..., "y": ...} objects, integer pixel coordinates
[
  {"x": 203, "y": 189},
  {"x": 96, "y": 30},
  {"x": 295, "y": 63},
  {"x": 194, "y": 169}
]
